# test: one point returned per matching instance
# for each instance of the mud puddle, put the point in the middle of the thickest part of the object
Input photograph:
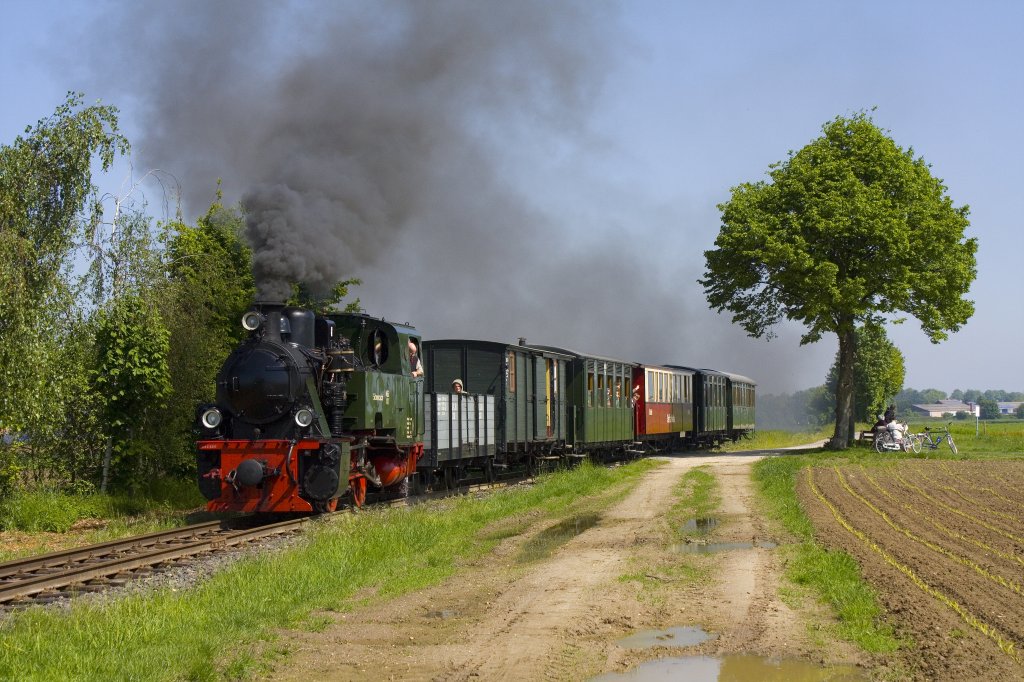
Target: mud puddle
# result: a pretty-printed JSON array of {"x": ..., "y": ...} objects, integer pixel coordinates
[
  {"x": 701, "y": 526},
  {"x": 734, "y": 669},
  {"x": 714, "y": 547},
  {"x": 680, "y": 636},
  {"x": 550, "y": 539}
]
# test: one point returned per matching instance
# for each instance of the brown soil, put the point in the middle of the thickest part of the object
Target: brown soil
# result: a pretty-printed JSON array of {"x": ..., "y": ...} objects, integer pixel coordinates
[
  {"x": 559, "y": 617},
  {"x": 943, "y": 542}
]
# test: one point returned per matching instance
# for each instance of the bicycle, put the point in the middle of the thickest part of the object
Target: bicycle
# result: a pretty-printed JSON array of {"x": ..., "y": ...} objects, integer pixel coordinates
[{"x": 929, "y": 440}]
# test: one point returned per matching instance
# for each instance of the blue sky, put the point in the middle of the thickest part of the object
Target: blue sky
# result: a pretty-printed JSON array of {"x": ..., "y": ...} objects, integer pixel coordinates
[{"x": 700, "y": 97}]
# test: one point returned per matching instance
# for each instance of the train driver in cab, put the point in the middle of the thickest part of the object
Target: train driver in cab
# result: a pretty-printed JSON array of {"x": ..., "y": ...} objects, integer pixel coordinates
[{"x": 415, "y": 365}]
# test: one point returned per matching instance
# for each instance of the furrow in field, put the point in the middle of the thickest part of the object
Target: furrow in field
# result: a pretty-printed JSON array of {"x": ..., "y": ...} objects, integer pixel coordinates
[
  {"x": 994, "y": 598},
  {"x": 936, "y": 544},
  {"x": 1015, "y": 537},
  {"x": 956, "y": 531},
  {"x": 934, "y": 478},
  {"x": 873, "y": 542}
]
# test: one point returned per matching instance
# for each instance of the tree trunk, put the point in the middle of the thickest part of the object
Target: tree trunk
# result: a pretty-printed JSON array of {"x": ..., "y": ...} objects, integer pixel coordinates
[{"x": 844, "y": 388}]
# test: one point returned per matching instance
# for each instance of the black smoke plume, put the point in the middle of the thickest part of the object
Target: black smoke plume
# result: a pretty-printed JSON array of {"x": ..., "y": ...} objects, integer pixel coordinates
[
  {"x": 340, "y": 124},
  {"x": 441, "y": 150}
]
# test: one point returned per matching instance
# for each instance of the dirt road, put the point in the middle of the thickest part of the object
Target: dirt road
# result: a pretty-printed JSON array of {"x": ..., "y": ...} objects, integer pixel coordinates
[{"x": 560, "y": 617}]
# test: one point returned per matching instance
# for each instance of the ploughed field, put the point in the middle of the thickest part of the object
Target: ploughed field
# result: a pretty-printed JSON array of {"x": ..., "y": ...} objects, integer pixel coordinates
[{"x": 943, "y": 543}]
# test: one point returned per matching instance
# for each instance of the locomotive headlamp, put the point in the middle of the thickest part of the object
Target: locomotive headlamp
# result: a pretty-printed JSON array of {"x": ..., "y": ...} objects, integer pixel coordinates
[
  {"x": 304, "y": 417},
  {"x": 212, "y": 418},
  {"x": 252, "y": 320}
]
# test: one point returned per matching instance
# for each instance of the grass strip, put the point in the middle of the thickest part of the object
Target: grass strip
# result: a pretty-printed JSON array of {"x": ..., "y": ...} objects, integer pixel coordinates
[
  {"x": 697, "y": 497},
  {"x": 833, "y": 575},
  {"x": 769, "y": 440},
  {"x": 212, "y": 631}
]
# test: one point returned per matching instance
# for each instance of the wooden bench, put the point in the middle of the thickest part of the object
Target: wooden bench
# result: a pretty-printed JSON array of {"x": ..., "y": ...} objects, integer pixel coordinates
[{"x": 867, "y": 436}]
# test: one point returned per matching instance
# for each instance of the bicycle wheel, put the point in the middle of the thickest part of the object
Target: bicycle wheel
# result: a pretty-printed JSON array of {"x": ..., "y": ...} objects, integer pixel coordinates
[
  {"x": 880, "y": 440},
  {"x": 952, "y": 445},
  {"x": 915, "y": 443}
]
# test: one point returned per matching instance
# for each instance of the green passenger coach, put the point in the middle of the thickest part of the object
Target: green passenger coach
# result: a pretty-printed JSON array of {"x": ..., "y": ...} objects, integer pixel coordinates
[
  {"x": 741, "y": 404},
  {"x": 600, "y": 415}
]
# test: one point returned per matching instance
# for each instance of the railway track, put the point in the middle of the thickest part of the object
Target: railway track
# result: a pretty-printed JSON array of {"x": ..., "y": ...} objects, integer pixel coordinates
[{"x": 67, "y": 573}]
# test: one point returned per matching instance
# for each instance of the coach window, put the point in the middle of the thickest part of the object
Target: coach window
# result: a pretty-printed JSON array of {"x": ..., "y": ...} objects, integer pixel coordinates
[
  {"x": 600, "y": 390},
  {"x": 650, "y": 386},
  {"x": 618, "y": 391},
  {"x": 590, "y": 388}
]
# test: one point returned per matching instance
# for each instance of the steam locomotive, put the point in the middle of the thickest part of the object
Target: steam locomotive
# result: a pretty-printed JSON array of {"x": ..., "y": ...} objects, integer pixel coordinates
[{"x": 311, "y": 410}]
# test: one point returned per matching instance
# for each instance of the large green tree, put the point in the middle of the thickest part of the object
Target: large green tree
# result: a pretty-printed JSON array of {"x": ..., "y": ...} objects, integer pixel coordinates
[
  {"x": 47, "y": 202},
  {"x": 850, "y": 230}
]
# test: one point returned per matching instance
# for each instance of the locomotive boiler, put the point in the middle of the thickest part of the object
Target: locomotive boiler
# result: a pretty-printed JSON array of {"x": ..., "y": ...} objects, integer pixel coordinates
[{"x": 310, "y": 409}]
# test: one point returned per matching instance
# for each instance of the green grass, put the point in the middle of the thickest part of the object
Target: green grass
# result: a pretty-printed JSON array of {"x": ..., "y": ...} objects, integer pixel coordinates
[
  {"x": 834, "y": 576},
  {"x": 45, "y": 510},
  {"x": 219, "y": 628},
  {"x": 987, "y": 440},
  {"x": 45, "y": 517},
  {"x": 697, "y": 497},
  {"x": 767, "y": 440},
  {"x": 995, "y": 438}
]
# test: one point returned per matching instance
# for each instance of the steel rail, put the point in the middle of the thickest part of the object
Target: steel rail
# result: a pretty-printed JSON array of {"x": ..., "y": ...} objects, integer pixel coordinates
[
  {"x": 60, "y": 557},
  {"x": 29, "y": 585},
  {"x": 26, "y": 578}
]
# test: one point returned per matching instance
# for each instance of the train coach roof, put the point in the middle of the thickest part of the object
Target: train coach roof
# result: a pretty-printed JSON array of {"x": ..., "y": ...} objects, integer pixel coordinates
[
  {"x": 494, "y": 345},
  {"x": 656, "y": 365},
  {"x": 734, "y": 377},
  {"x": 573, "y": 353},
  {"x": 740, "y": 378}
]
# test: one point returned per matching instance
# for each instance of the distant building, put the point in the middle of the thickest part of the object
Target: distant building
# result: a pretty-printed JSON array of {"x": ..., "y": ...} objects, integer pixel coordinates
[
  {"x": 944, "y": 407},
  {"x": 1008, "y": 408}
]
